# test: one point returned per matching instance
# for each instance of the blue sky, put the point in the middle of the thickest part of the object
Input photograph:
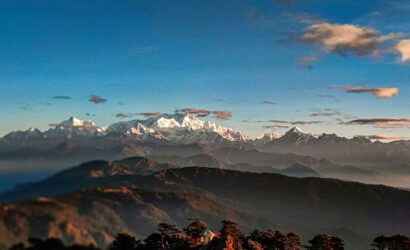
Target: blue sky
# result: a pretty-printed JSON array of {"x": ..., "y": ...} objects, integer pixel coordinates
[{"x": 155, "y": 56}]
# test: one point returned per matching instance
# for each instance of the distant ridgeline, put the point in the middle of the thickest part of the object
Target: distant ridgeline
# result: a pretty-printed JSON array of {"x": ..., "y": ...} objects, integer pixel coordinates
[{"x": 196, "y": 235}]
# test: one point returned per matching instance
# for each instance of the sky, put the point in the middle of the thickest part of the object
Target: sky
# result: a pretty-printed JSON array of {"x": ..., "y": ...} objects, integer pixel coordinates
[{"x": 333, "y": 66}]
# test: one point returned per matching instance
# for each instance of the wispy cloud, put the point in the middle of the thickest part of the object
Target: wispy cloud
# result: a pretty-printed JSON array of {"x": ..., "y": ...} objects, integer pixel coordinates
[
  {"x": 269, "y": 102},
  {"x": 377, "y": 92},
  {"x": 96, "y": 99},
  {"x": 276, "y": 126},
  {"x": 383, "y": 137},
  {"x": 62, "y": 97},
  {"x": 345, "y": 38},
  {"x": 296, "y": 122},
  {"x": 197, "y": 112},
  {"x": 150, "y": 114},
  {"x": 218, "y": 114},
  {"x": 223, "y": 114},
  {"x": 121, "y": 115},
  {"x": 326, "y": 112},
  {"x": 307, "y": 61},
  {"x": 382, "y": 122}
]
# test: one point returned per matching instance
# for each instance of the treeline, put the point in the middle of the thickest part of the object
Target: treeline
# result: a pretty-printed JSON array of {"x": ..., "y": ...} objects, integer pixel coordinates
[{"x": 197, "y": 236}]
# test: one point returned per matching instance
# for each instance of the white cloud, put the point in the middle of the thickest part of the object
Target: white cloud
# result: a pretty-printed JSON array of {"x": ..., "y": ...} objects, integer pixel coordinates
[
  {"x": 345, "y": 38},
  {"x": 403, "y": 47}
]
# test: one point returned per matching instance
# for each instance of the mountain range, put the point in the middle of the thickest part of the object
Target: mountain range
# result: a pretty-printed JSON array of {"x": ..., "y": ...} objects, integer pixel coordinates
[
  {"x": 75, "y": 141},
  {"x": 92, "y": 202}
]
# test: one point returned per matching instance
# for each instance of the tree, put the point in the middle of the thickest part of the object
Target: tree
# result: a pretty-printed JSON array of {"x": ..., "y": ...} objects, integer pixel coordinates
[
  {"x": 194, "y": 230},
  {"x": 257, "y": 235},
  {"x": 51, "y": 243},
  {"x": 294, "y": 241},
  {"x": 83, "y": 247},
  {"x": 252, "y": 245},
  {"x": 124, "y": 241},
  {"x": 325, "y": 242},
  {"x": 230, "y": 237},
  {"x": 398, "y": 242},
  {"x": 19, "y": 246},
  {"x": 153, "y": 242},
  {"x": 380, "y": 242},
  {"x": 170, "y": 235}
]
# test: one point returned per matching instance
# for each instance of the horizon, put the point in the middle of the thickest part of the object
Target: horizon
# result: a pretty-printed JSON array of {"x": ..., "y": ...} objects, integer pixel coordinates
[{"x": 267, "y": 62}]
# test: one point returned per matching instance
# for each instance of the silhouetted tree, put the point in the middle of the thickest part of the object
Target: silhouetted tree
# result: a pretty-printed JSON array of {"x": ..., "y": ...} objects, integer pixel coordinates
[
  {"x": 257, "y": 235},
  {"x": 153, "y": 242},
  {"x": 171, "y": 237},
  {"x": 325, "y": 242},
  {"x": 82, "y": 247},
  {"x": 380, "y": 243},
  {"x": 276, "y": 240},
  {"x": 194, "y": 230},
  {"x": 18, "y": 246},
  {"x": 398, "y": 242},
  {"x": 294, "y": 241},
  {"x": 124, "y": 241},
  {"x": 51, "y": 243},
  {"x": 230, "y": 237}
]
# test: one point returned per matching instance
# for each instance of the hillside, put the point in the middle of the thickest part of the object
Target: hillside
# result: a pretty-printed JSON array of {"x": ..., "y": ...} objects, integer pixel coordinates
[{"x": 356, "y": 212}]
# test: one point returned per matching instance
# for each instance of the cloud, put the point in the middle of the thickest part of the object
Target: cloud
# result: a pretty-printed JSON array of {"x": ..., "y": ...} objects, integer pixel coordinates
[
  {"x": 276, "y": 126},
  {"x": 345, "y": 38},
  {"x": 269, "y": 102},
  {"x": 377, "y": 92},
  {"x": 382, "y": 122},
  {"x": 296, "y": 122},
  {"x": 62, "y": 97},
  {"x": 218, "y": 114},
  {"x": 121, "y": 115},
  {"x": 222, "y": 115},
  {"x": 307, "y": 61},
  {"x": 403, "y": 47},
  {"x": 197, "y": 112},
  {"x": 382, "y": 137},
  {"x": 305, "y": 122},
  {"x": 279, "y": 121},
  {"x": 150, "y": 114},
  {"x": 96, "y": 99}
]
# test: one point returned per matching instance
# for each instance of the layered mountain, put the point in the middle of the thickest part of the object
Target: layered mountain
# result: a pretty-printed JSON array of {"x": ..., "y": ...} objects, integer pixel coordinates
[
  {"x": 70, "y": 128},
  {"x": 94, "y": 207},
  {"x": 358, "y": 151},
  {"x": 74, "y": 141}
]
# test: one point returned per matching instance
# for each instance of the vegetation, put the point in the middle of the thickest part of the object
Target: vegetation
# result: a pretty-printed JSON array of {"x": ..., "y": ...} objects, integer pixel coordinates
[{"x": 197, "y": 236}]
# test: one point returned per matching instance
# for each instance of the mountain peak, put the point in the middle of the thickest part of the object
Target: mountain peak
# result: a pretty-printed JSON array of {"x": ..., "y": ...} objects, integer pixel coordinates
[
  {"x": 297, "y": 130},
  {"x": 75, "y": 122}
]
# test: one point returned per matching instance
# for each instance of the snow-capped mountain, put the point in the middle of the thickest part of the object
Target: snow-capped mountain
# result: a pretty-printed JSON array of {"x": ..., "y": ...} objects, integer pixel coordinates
[
  {"x": 169, "y": 128},
  {"x": 177, "y": 128},
  {"x": 24, "y": 135},
  {"x": 266, "y": 138},
  {"x": 74, "y": 127},
  {"x": 296, "y": 136},
  {"x": 70, "y": 128}
]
